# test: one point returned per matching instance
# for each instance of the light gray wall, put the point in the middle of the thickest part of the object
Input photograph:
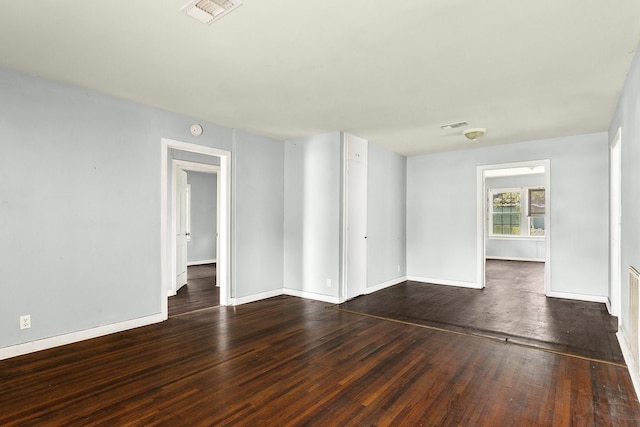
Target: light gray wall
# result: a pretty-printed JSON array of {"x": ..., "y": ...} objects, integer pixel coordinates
[
  {"x": 519, "y": 250},
  {"x": 522, "y": 248},
  {"x": 627, "y": 117},
  {"x": 517, "y": 181},
  {"x": 191, "y": 157},
  {"x": 204, "y": 213},
  {"x": 442, "y": 211},
  {"x": 312, "y": 214},
  {"x": 258, "y": 210},
  {"x": 386, "y": 215},
  {"x": 80, "y": 202}
]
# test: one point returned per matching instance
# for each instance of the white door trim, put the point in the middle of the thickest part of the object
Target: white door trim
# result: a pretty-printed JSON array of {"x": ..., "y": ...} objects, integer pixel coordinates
[
  {"x": 481, "y": 204},
  {"x": 615, "y": 215},
  {"x": 191, "y": 167},
  {"x": 224, "y": 185}
]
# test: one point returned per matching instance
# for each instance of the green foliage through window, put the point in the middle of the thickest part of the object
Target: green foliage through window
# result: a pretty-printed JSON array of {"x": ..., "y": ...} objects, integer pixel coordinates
[{"x": 506, "y": 213}]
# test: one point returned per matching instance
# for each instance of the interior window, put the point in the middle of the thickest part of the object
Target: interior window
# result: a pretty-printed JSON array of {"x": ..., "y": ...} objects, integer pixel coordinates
[
  {"x": 506, "y": 212},
  {"x": 507, "y": 217}
]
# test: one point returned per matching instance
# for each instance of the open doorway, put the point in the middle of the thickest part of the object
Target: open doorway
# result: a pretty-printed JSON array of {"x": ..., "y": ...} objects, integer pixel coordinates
[
  {"x": 513, "y": 226},
  {"x": 167, "y": 215},
  {"x": 194, "y": 219}
]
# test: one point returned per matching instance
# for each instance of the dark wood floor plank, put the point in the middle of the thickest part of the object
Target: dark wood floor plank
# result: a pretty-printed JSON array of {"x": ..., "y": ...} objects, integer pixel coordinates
[{"x": 289, "y": 361}]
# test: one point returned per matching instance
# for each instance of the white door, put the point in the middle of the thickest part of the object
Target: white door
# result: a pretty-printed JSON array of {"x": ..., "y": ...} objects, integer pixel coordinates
[
  {"x": 356, "y": 216},
  {"x": 181, "y": 229}
]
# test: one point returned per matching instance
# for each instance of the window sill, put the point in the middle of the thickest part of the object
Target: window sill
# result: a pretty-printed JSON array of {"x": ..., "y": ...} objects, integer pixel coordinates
[{"x": 532, "y": 238}]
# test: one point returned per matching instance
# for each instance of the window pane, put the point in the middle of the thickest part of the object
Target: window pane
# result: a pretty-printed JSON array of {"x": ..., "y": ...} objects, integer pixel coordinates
[
  {"x": 536, "y": 226},
  {"x": 537, "y": 202},
  {"x": 506, "y": 212}
]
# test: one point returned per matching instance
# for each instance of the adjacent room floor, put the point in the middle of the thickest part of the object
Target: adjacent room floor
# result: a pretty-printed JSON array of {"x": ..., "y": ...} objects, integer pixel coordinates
[
  {"x": 200, "y": 291},
  {"x": 512, "y": 307}
]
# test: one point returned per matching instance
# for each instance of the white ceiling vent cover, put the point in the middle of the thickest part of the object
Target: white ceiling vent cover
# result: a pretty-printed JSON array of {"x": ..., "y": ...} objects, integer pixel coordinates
[
  {"x": 209, "y": 11},
  {"x": 455, "y": 125}
]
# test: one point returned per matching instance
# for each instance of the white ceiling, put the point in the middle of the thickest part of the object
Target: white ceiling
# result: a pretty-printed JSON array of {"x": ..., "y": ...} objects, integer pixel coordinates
[{"x": 390, "y": 72}]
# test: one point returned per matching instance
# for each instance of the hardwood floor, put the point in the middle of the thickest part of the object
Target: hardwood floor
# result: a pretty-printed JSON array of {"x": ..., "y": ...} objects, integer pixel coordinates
[
  {"x": 519, "y": 276},
  {"x": 289, "y": 361},
  {"x": 199, "y": 293},
  {"x": 512, "y": 307}
]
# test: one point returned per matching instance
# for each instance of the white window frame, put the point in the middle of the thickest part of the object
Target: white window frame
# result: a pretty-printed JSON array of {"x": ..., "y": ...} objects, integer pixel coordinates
[{"x": 525, "y": 217}]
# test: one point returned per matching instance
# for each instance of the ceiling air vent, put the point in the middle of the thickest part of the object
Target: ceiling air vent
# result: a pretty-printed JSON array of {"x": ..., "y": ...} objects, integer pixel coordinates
[
  {"x": 455, "y": 125},
  {"x": 209, "y": 11}
]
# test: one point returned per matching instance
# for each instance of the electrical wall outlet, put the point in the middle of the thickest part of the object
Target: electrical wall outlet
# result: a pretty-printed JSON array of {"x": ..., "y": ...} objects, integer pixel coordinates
[
  {"x": 25, "y": 321},
  {"x": 328, "y": 283},
  {"x": 398, "y": 267}
]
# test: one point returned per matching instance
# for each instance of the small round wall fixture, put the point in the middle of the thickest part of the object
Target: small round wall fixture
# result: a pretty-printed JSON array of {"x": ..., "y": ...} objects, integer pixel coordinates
[
  {"x": 196, "y": 130},
  {"x": 474, "y": 133}
]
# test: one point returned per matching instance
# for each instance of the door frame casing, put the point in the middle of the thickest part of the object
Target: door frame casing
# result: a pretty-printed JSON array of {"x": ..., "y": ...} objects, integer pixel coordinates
[
  {"x": 615, "y": 217},
  {"x": 223, "y": 266},
  {"x": 482, "y": 218}
]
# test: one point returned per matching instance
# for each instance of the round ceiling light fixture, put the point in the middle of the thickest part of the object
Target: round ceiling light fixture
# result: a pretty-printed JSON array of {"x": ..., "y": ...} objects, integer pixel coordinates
[{"x": 474, "y": 133}]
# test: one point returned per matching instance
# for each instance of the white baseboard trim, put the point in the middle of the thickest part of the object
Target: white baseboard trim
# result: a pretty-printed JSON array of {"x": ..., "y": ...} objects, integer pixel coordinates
[
  {"x": 579, "y": 297},
  {"x": 387, "y": 284},
  {"x": 311, "y": 295},
  {"x": 609, "y": 308},
  {"x": 59, "y": 340},
  {"x": 256, "y": 297},
  {"x": 291, "y": 292},
  {"x": 634, "y": 370},
  {"x": 512, "y": 258},
  {"x": 204, "y": 261},
  {"x": 445, "y": 282}
]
